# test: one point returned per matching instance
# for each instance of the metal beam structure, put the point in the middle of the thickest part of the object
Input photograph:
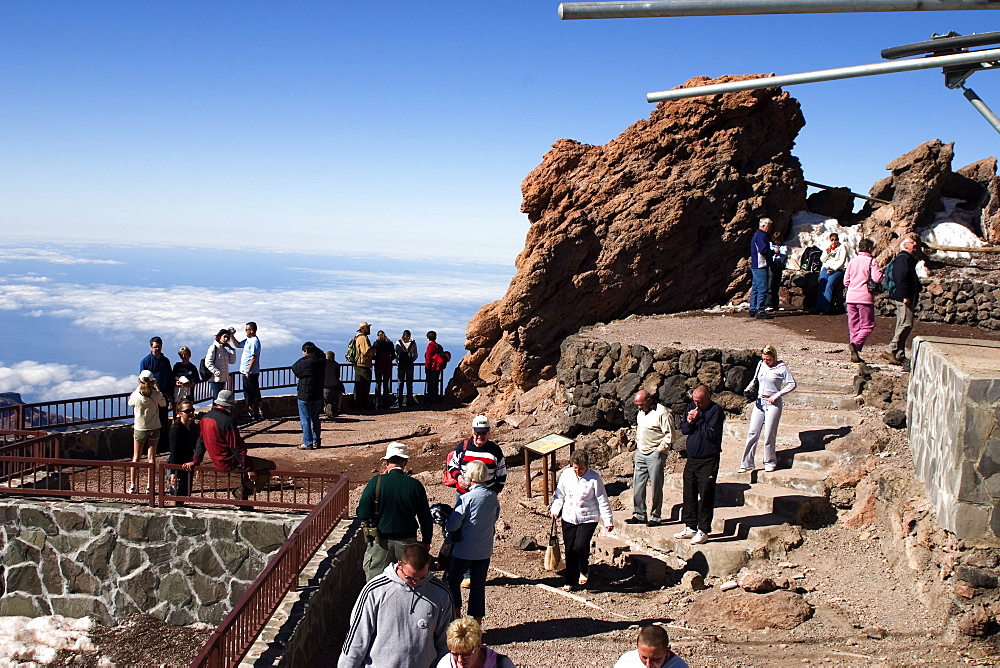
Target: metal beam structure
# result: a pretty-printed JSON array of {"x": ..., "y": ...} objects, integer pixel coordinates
[
  {"x": 988, "y": 57},
  {"x": 659, "y": 8}
]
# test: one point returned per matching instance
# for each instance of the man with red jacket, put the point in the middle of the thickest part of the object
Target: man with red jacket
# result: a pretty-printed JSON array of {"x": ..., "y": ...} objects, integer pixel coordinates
[
  {"x": 435, "y": 360},
  {"x": 220, "y": 437}
]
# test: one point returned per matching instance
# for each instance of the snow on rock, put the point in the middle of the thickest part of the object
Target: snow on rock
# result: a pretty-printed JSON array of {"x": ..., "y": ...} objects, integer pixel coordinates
[
  {"x": 810, "y": 229},
  {"x": 952, "y": 227},
  {"x": 35, "y": 640}
]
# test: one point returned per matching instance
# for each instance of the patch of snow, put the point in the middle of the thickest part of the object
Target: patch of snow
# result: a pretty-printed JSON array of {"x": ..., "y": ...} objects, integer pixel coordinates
[
  {"x": 36, "y": 640},
  {"x": 811, "y": 229},
  {"x": 952, "y": 227}
]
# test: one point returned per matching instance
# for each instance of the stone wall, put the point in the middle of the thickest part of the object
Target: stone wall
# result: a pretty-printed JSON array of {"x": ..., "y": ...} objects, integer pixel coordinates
[
  {"x": 109, "y": 560},
  {"x": 955, "y": 301},
  {"x": 953, "y": 409},
  {"x": 599, "y": 379}
]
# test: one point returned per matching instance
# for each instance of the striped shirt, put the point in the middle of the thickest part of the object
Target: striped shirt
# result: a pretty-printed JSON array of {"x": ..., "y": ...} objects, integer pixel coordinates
[{"x": 489, "y": 454}]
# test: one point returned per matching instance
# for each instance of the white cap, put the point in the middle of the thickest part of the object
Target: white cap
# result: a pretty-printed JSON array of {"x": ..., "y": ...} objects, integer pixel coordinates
[
  {"x": 481, "y": 424},
  {"x": 396, "y": 449},
  {"x": 145, "y": 374}
]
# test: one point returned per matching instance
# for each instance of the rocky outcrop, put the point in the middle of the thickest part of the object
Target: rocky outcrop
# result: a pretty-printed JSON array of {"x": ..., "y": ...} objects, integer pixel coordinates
[
  {"x": 657, "y": 220},
  {"x": 918, "y": 181}
]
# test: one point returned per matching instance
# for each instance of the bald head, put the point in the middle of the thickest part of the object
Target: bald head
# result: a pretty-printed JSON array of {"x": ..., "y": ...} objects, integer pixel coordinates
[
  {"x": 701, "y": 396},
  {"x": 643, "y": 400}
]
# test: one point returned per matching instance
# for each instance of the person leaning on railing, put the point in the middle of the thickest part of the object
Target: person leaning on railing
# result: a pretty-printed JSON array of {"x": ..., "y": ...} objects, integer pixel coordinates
[{"x": 220, "y": 437}]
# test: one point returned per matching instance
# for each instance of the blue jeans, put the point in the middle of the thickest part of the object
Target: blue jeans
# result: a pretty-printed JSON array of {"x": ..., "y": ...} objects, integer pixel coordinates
[
  {"x": 309, "y": 417},
  {"x": 215, "y": 388},
  {"x": 829, "y": 281},
  {"x": 758, "y": 288}
]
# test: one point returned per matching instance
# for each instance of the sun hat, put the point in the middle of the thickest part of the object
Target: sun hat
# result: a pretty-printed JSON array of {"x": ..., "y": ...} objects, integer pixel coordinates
[
  {"x": 396, "y": 449},
  {"x": 480, "y": 424},
  {"x": 225, "y": 399}
]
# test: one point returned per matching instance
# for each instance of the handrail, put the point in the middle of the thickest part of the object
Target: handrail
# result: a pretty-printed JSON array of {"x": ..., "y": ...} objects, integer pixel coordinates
[
  {"x": 66, "y": 413},
  {"x": 231, "y": 641}
]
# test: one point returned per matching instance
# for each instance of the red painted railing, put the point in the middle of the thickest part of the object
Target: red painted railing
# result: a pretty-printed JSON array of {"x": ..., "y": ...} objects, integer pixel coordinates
[
  {"x": 109, "y": 481},
  {"x": 28, "y": 444},
  {"x": 236, "y": 634}
]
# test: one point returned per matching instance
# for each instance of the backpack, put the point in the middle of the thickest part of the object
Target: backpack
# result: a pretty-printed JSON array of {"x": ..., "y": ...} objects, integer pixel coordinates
[
  {"x": 203, "y": 370},
  {"x": 811, "y": 260},
  {"x": 352, "y": 351},
  {"x": 890, "y": 283}
]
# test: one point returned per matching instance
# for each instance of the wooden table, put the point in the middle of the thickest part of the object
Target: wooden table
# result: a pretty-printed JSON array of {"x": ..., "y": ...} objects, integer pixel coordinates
[{"x": 546, "y": 447}]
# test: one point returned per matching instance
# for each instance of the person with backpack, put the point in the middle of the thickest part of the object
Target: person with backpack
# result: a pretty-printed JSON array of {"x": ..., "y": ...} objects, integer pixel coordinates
[
  {"x": 903, "y": 289},
  {"x": 435, "y": 361},
  {"x": 406, "y": 355},
  {"x": 860, "y": 300},
  {"x": 360, "y": 354}
]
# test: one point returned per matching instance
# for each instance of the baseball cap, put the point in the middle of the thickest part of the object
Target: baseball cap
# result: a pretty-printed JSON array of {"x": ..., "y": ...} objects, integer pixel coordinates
[
  {"x": 396, "y": 449},
  {"x": 225, "y": 399},
  {"x": 480, "y": 424},
  {"x": 145, "y": 374}
]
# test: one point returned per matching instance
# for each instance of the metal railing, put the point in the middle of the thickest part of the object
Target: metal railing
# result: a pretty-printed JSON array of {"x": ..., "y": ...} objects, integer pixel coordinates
[
  {"x": 109, "y": 481},
  {"x": 66, "y": 413},
  {"x": 239, "y": 629},
  {"x": 26, "y": 444}
]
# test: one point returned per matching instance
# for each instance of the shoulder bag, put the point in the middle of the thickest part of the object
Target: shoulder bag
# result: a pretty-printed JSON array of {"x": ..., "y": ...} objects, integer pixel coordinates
[{"x": 874, "y": 287}]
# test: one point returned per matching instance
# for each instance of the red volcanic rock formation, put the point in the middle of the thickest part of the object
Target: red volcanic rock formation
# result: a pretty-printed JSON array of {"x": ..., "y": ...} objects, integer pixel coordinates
[
  {"x": 657, "y": 220},
  {"x": 918, "y": 181}
]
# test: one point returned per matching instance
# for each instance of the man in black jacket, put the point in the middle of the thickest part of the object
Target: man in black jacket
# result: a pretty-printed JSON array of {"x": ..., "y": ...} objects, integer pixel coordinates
[
  {"x": 905, "y": 289},
  {"x": 310, "y": 369},
  {"x": 702, "y": 424}
]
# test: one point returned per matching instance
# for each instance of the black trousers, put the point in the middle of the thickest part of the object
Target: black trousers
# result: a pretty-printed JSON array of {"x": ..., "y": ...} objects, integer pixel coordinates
[
  {"x": 433, "y": 381},
  {"x": 362, "y": 387},
  {"x": 700, "y": 474},
  {"x": 577, "y": 539}
]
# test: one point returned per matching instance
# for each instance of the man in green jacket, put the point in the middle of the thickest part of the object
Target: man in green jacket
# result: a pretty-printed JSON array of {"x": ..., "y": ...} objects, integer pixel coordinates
[{"x": 395, "y": 503}]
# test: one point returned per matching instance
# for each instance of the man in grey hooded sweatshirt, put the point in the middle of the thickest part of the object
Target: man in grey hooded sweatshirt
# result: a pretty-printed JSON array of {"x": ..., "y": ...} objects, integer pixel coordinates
[{"x": 401, "y": 616}]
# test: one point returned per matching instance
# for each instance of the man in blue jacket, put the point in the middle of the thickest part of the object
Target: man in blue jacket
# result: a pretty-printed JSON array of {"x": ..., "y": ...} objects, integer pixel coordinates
[
  {"x": 159, "y": 365},
  {"x": 702, "y": 424},
  {"x": 760, "y": 260}
]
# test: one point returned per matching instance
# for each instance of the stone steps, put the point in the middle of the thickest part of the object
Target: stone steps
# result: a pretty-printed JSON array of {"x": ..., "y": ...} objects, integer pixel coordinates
[{"x": 754, "y": 510}]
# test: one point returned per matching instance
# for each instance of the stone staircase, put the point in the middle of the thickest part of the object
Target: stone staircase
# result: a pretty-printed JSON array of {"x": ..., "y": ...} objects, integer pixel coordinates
[{"x": 757, "y": 514}]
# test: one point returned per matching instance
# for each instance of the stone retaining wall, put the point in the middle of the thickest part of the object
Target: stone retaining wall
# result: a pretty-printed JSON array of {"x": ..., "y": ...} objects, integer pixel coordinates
[
  {"x": 599, "y": 379},
  {"x": 953, "y": 409},
  {"x": 108, "y": 560},
  {"x": 952, "y": 301}
]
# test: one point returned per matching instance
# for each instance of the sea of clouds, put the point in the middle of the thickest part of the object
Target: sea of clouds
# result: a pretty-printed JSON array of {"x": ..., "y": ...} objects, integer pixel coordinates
[{"x": 77, "y": 320}]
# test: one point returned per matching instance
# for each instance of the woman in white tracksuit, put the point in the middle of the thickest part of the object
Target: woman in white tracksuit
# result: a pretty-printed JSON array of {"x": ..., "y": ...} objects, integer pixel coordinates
[{"x": 773, "y": 380}]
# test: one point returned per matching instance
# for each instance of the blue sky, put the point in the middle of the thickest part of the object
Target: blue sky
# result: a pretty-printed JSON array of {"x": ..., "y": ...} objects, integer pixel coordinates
[{"x": 402, "y": 128}]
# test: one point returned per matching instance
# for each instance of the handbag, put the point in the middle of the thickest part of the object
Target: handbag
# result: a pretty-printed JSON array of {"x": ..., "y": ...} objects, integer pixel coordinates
[
  {"x": 454, "y": 458},
  {"x": 552, "y": 552},
  {"x": 444, "y": 557},
  {"x": 874, "y": 287},
  {"x": 754, "y": 387}
]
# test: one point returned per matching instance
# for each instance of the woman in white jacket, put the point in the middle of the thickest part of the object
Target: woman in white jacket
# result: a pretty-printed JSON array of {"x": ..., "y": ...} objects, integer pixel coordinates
[
  {"x": 218, "y": 357},
  {"x": 146, "y": 402},
  {"x": 831, "y": 275},
  {"x": 773, "y": 380},
  {"x": 581, "y": 499}
]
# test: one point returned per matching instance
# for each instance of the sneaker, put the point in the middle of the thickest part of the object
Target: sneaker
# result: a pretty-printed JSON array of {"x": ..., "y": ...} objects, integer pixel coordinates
[
  {"x": 764, "y": 315},
  {"x": 653, "y": 523},
  {"x": 131, "y": 489},
  {"x": 148, "y": 490},
  {"x": 305, "y": 447},
  {"x": 687, "y": 533},
  {"x": 467, "y": 583},
  {"x": 567, "y": 588},
  {"x": 769, "y": 469},
  {"x": 699, "y": 538},
  {"x": 743, "y": 470},
  {"x": 583, "y": 579},
  {"x": 633, "y": 520}
]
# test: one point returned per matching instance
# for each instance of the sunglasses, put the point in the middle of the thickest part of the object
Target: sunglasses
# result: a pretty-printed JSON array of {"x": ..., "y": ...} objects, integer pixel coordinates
[{"x": 188, "y": 410}]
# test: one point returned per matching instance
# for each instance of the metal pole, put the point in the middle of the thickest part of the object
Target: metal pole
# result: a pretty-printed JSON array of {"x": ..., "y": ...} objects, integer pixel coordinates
[
  {"x": 985, "y": 56},
  {"x": 981, "y": 107},
  {"x": 632, "y": 10}
]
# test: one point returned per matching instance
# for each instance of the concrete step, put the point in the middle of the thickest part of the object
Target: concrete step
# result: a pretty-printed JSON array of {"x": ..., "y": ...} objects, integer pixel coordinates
[
  {"x": 817, "y": 399},
  {"x": 739, "y": 532}
]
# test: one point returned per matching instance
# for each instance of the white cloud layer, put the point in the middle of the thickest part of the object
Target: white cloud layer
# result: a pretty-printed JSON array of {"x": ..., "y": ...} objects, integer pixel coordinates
[
  {"x": 60, "y": 381},
  {"x": 52, "y": 256}
]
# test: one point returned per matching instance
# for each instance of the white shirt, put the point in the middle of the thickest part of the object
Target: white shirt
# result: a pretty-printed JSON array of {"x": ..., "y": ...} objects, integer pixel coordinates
[
  {"x": 631, "y": 660},
  {"x": 581, "y": 500},
  {"x": 654, "y": 430}
]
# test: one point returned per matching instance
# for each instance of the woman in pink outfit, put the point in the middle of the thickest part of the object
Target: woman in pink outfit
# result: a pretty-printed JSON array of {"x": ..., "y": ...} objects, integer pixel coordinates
[{"x": 861, "y": 302}]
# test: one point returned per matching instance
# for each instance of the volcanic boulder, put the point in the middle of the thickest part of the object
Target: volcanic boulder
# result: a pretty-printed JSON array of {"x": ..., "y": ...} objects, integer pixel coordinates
[{"x": 658, "y": 220}]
